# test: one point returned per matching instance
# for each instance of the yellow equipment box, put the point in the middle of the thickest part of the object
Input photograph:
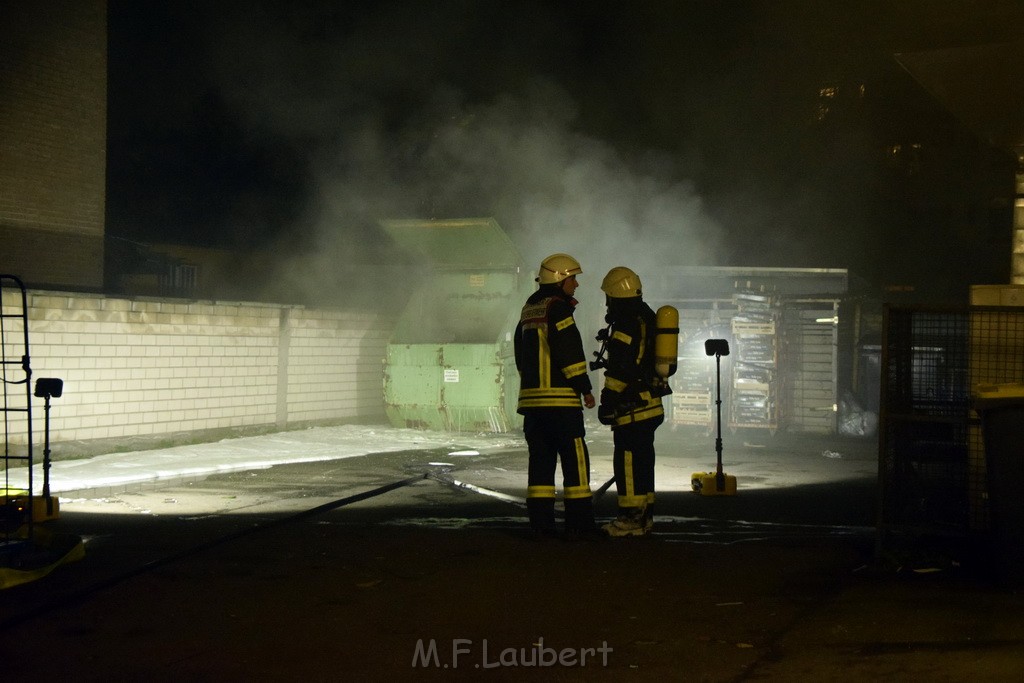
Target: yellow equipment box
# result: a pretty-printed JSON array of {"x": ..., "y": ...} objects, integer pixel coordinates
[
  {"x": 43, "y": 508},
  {"x": 706, "y": 484}
]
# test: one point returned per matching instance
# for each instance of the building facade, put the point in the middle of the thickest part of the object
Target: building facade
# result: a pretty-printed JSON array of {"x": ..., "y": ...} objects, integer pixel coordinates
[{"x": 53, "y": 118}]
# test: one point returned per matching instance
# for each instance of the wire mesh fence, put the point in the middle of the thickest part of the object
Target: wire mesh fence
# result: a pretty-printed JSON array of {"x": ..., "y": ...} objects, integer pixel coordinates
[{"x": 932, "y": 472}]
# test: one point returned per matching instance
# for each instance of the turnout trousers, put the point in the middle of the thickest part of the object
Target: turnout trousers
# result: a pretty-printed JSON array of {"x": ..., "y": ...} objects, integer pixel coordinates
[
  {"x": 550, "y": 435},
  {"x": 633, "y": 463}
]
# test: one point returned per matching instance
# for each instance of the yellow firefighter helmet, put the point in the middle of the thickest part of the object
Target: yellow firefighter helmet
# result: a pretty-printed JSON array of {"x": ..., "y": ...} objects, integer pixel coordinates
[
  {"x": 558, "y": 267},
  {"x": 621, "y": 283}
]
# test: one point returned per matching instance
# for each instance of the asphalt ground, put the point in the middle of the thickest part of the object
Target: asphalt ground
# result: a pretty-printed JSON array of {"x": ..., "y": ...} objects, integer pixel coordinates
[{"x": 384, "y": 567}]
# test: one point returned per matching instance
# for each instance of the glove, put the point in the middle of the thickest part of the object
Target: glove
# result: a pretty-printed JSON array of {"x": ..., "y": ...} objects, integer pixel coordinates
[
  {"x": 609, "y": 405},
  {"x": 660, "y": 387}
]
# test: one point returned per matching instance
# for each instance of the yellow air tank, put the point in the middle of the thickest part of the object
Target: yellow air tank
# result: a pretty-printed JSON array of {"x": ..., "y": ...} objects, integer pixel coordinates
[{"x": 666, "y": 343}]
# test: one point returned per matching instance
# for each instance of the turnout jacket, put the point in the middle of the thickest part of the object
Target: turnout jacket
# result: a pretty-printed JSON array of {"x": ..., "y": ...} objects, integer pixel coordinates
[
  {"x": 549, "y": 352},
  {"x": 632, "y": 389}
]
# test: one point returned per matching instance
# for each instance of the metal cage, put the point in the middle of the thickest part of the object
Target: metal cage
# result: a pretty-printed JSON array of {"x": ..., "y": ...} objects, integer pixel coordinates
[{"x": 932, "y": 474}]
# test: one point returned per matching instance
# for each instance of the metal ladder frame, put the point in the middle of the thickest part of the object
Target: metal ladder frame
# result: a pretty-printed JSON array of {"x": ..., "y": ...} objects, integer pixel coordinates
[{"x": 19, "y": 364}]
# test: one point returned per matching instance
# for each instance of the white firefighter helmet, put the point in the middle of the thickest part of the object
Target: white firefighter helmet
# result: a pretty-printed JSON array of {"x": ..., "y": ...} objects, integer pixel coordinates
[
  {"x": 621, "y": 283},
  {"x": 558, "y": 267}
]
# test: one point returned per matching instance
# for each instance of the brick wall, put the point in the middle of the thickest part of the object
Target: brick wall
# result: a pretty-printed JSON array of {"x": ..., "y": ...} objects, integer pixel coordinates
[
  {"x": 149, "y": 368},
  {"x": 53, "y": 73}
]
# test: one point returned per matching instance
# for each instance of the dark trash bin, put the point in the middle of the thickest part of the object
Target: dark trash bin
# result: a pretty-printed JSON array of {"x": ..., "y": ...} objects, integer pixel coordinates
[{"x": 1001, "y": 408}]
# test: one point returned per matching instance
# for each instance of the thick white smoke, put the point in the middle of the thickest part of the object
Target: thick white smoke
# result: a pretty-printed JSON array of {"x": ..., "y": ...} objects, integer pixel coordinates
[{"x": 518, "y": 156}]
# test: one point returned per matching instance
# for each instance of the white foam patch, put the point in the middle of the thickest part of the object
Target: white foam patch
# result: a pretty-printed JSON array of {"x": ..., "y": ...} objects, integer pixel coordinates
[{"x": 254, "y": 452}]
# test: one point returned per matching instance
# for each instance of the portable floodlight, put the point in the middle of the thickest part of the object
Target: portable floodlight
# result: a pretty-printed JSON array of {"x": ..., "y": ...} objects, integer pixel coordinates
[
  {"x": 716, "y": 347},
  {"x": 49, "y": 507},
  {"x": 716, "y": 483}
]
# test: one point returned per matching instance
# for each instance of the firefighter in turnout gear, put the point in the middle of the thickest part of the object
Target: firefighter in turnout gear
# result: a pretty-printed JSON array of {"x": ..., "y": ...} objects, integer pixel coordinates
[
  {"x": 631, "y": 399},
  {"x": 553, "y": 386}
]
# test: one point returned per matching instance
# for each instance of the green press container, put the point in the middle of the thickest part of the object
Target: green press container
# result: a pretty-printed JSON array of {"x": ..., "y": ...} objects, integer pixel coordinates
[{"x": 449, "y": 364}]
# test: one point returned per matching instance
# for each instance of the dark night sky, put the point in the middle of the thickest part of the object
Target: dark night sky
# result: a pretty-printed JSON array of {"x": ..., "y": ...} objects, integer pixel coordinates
[{"x": 662, "y": 132}]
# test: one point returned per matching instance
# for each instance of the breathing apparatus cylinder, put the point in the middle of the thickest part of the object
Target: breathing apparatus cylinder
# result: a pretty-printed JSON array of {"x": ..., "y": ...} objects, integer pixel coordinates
[{"x": 666, "y": 343}]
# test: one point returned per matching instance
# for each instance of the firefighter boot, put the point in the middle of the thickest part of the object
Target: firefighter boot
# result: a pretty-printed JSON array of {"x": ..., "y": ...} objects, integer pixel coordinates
[
  {"x": 649, "y": 513},
  {"x": 542, "y": 516},
  {"x": 630, "y": 522},
  {"x": 579, "y": 520}
]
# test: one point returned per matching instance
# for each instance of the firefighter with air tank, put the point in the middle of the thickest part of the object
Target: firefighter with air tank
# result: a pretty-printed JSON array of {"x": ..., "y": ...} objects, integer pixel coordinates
[{"x": 641, "y": 355}]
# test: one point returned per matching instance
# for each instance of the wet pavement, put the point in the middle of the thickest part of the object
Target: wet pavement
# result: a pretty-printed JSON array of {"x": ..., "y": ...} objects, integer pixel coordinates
[{"x": 414, "y": 564}]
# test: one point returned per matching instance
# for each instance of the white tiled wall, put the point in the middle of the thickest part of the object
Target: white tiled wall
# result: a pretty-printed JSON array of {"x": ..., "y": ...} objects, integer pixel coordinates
[{"x": 150, "y": 367}]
